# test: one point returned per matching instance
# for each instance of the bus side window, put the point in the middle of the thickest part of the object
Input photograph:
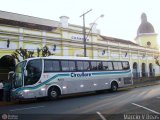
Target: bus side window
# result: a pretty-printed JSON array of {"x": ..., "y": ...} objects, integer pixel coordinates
[
  {"x": 51, "y": 66},
  {"x": 65, "y": 65},
  {"x": 115, "y": 65},
  {"x": 105, "y": 66},
  {"x": 120, "y": 65},
  {"x": 125, "y": 65},
  {"x": 94, "y": 65},
  {"x": 86, "y": 65},
  {"x": 99, "y": 66},
  {"x": 110, "y": 65},
  {"x": 72, "y": 66},
  {"x": 80, "y": 65}
]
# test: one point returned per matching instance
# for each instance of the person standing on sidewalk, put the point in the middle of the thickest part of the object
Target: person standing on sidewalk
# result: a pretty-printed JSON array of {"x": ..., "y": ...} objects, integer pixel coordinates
[
  {"x": 7, "y": 91},
  {"x": 1, "y": 91}
]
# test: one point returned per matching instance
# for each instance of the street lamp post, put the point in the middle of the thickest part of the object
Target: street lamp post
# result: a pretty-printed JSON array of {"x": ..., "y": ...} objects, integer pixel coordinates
[
  {"x": 101, "y": 16},
  {"x": 84, "y": 31}
]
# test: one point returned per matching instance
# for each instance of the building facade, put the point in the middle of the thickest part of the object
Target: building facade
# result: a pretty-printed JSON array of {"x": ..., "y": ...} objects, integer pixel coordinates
[{"x": 65, "y": 39}]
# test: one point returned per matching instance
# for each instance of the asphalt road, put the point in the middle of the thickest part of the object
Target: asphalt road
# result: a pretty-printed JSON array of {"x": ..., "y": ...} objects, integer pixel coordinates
[{"x": 126, "y": 104}]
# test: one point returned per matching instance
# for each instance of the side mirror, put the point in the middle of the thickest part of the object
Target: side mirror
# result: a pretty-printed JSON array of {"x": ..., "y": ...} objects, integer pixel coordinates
[
  {"x": 11, "y": 75},
  {"x": 25, "y": 73}
]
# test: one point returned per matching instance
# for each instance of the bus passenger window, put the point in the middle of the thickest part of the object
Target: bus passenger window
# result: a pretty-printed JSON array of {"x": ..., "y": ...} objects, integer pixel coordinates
[
  {"x": 115, "y": 64},
  {"x": 94, "y": 66},
  {"x": 86, "y": 65},
  {"x": 65, "y": 65},
  {"x": 72, "y": 66},
  {"x": 105, "y": 66},
  {"x": 51, "y": 66},
  {"x": 119, "y": 65},
  {"x": 125, "y": 65},
  {"x": 99, "y": 66},
  {"x": 79, "y": 65},
  {"x": 110, "y": 66}
]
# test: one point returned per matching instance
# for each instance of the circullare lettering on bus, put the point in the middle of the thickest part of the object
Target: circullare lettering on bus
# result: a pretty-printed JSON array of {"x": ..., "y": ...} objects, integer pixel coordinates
[{"x": 81, "y": 74}]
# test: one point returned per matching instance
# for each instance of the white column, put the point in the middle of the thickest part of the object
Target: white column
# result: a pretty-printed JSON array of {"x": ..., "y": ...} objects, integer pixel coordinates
[
  {"x": 109, "y": 53},
  {"x": 120, "y": 56},
  {"x": 20, "y": 37},
  {"x": 139, "y": 65},
  {"x": 130, "y": 59},
  {"x": 43, "y": 38},
  {"x": 95, "y": 53},
  {"x": 65, "y": 51},
  {"x": 147, "y": 66}
]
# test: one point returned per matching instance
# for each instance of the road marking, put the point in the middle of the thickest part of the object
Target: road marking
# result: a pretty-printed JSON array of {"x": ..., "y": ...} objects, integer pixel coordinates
[
  {"x": 146, "y": 108},
  {"x": 101, "y": 116},
  {"x": 27, "y": 108}
]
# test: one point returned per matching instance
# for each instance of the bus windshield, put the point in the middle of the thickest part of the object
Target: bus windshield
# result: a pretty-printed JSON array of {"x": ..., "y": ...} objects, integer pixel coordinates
[
  {"x": 34, "y": 70},
  {"x": 19, "y": 71}
]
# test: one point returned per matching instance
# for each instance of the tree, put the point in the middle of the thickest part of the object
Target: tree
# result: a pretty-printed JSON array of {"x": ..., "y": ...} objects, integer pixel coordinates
[
  {"x": 24, "y": 53},
  {"x": 15, "y": 56},
  {"x": 45, "y": 51},
  {"x": 157, "y": 61}
]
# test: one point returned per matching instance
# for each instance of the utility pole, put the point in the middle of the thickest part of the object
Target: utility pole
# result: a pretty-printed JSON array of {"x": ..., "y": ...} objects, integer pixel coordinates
[{"x": 84, "y": 31}]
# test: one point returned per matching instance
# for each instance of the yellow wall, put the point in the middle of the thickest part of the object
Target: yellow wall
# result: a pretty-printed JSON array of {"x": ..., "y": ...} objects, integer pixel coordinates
[{"x": 143, "y": 39}]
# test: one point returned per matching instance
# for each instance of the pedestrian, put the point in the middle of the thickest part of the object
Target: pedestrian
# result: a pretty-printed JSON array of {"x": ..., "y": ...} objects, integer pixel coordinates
[
  {"x": 7, "y": 91},
  {"x": 1, "y": 91}
]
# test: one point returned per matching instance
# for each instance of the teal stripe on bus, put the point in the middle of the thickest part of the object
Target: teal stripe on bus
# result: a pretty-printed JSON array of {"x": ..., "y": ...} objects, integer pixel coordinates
[
  {"x": 104, "y": 73},
  {"x": 40, "y": 85}
]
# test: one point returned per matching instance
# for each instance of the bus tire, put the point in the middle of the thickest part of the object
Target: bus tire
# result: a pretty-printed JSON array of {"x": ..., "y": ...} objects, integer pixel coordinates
[
  {"x": 114, "y": 87},
  {"x": 53, "y": 93}
]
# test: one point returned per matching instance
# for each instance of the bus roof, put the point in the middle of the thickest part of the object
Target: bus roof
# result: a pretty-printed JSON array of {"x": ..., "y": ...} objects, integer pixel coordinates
[{"x": 70, "y": 58}]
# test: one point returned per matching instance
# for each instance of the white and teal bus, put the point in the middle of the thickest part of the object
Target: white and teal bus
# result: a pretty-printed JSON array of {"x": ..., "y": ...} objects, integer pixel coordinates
[{"x": 55, "y": 76}]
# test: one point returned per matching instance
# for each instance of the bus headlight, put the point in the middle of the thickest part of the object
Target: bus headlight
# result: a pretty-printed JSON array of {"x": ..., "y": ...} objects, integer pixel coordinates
[
  {"x": 43, "y": 89},
  {"x": 26, "y": 91}
]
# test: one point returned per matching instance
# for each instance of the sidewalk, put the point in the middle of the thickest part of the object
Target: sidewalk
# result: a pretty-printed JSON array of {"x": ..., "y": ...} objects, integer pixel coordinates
[
  {"x": 145, "y": 83},
  {"x": 136, "y": 85},
  {"x": 4, "y": 103}
]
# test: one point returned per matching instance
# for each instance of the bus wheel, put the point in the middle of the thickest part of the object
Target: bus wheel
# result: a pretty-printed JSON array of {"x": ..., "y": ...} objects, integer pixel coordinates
[
  {"x": 53, "y": 93},
  {"x": 114, "y": 87}
]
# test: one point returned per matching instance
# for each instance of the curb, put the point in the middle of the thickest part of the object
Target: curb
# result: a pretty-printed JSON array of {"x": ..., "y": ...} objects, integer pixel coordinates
[
  {"x": 144, "y": 85},
  {"x": 3, "y": 103}
]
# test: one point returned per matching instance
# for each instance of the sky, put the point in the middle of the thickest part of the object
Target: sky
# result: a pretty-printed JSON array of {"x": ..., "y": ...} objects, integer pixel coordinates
[{"x": 121, "y": 17}]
